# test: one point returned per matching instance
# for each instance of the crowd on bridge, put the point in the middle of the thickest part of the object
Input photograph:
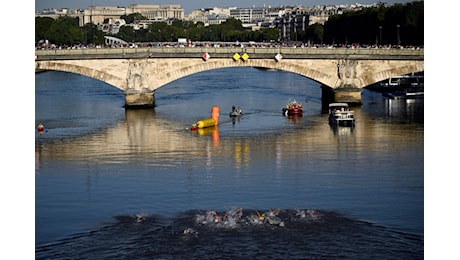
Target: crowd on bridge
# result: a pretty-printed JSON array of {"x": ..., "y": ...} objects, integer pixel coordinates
[{"x": 223, "y": 45}]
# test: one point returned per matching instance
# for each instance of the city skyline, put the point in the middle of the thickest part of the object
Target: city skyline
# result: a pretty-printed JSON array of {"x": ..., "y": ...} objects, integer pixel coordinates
[{"x": 189, "y": 6}]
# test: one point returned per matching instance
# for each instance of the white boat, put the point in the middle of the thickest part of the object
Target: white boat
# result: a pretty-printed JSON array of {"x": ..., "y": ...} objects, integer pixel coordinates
[
  {"x": 410, "y": 80},
  {"x": 341, "y": 115},
  {"x": 406, "y": 94}
]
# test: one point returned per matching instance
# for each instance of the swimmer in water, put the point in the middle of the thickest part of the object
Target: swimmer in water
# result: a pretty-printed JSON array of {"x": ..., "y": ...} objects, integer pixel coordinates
[
  {"x": 140, "y": 218},
  {"x": 213, "y": 216},
  {"x": 189, "y": 231}
]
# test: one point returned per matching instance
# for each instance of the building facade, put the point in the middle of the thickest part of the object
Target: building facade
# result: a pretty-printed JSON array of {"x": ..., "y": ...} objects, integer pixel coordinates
[
  {"x": 288, "y": 19},
  {"x": 99, "y": 14},
  {"x": 152, "y": 11}
]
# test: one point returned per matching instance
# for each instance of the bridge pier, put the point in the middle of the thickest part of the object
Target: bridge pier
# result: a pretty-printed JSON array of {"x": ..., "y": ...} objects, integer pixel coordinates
[
  {"x": 348, "y": 95},
  {"x": 139, "y": 99}
]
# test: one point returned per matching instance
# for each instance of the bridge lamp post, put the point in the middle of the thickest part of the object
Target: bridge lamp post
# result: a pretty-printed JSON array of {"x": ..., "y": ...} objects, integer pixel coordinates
[
  {"x": 380, "y": 31},
  {"x": 397, "y": 35}
]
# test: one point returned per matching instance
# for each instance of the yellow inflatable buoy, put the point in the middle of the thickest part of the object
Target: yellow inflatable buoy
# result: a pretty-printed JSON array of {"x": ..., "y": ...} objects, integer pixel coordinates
[
  {"x": 213, "y": 121},
  {"x": 205, "y": 123}
]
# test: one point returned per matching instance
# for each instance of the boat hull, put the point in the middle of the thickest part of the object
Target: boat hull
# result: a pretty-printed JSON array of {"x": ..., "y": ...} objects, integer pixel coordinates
[
  {"x": 235, "y": 114},
  {"x": 341, "y": 115},
  {"x": 335, "y": 122},
  {"x": 408, "y": 95},
  {"x": 292, "y": 112}
]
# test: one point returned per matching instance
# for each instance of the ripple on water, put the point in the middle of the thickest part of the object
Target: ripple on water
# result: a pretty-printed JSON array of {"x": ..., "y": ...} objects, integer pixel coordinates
[{"x": 290, "y": 233}]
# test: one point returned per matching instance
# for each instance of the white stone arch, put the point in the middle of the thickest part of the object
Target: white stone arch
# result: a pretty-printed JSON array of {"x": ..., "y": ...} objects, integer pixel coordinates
[
  {"x": 110, "y": 79},
  {"x": 110, "y": 40}
]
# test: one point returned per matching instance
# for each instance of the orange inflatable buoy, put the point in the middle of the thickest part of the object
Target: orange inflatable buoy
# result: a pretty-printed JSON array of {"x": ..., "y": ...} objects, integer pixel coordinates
[{"x": 215, "y": 114}]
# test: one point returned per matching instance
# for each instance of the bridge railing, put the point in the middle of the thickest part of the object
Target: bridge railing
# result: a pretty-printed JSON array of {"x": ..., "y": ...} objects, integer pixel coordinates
[{"x": 197, "y": 52}]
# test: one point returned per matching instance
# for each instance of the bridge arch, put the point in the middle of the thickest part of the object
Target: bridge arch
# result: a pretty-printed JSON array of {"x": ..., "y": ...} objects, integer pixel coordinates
[
  {"x": 395, "y": 71},
  {"x": 182, "y": 72},
  {"x": 106, "y": 77},
  {"x": 110, "y": 40},
  {"x": 179, "y": 72}
]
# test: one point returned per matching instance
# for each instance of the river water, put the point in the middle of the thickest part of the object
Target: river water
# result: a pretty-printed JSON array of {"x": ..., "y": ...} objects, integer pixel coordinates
[{"x": 128, "y": 184}]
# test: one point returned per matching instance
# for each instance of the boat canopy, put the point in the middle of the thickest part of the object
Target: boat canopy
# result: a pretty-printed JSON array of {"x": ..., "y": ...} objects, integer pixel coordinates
[{"x": 338, "y": 105}]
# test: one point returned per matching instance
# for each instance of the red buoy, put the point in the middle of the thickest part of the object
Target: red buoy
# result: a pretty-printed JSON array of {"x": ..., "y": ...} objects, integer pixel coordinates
[{"x": 40, "y": 127}]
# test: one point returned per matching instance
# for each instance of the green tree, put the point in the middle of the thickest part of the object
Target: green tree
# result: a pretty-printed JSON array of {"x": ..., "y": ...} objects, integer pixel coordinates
[
  {"x": 42, "y": 25},
  {"x": 232, "y": 24},
  {"x": 314, "y": 34},
  {"x": 131, "y": 18},
  {"x": 126, "y": 33},
  {"x": 62, "y": 31},
  {"x": 266, "y": 35},
  {"x": 92, "y": 35},
  {"x": 156, "y": 30},
  {"x": 271, "y": 34},
  {"x": 65, "y": 30},
  {"x": 381, "y": 24}
]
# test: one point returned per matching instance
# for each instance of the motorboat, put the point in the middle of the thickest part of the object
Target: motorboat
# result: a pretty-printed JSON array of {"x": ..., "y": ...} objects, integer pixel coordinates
[
  {"x": 341, "y": 115},
  {"x": 408, "y": 86},
  {"x": 404, "y": 81},
  {"x": 236, "y": 112},
  {"x": 293, "y": 108},
  {"x": 405, "y": 94}
]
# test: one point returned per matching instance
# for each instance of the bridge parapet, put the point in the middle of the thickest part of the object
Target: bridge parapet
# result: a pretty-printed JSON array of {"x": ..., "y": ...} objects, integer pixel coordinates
[{"x": 255, "y": 53}]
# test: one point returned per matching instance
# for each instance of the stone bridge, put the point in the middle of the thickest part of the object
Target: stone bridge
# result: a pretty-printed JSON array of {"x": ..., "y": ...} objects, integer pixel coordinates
[{"x": 138, "y": 72}]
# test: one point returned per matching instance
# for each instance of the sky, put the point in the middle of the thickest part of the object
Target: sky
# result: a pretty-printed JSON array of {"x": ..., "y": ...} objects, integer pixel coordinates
[{"x": 189, "y": 5}]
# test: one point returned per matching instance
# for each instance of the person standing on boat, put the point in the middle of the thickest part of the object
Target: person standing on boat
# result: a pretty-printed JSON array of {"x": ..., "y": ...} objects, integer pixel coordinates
[{"x": 239, "y": 110}]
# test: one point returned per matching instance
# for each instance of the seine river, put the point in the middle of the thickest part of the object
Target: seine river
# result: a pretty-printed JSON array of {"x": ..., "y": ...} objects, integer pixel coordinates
[{"x": 112, "y": 183}]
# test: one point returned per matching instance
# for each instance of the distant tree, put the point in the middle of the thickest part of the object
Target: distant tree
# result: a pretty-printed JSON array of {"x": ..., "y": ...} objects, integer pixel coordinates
[
  {"x": 314, "y": 34},
  {"x": 42, "y": 25},
  {"x": 92, "y": 35},
  {"x": 64, "y": 30},
  {"x": 126, "y": 33},
  {"x": 232, "y": 24},
  {"x": 199, "y": 25},
  {"x": 381, "y": 24},
  {"x": 266, "y": 35},
  {"x": 130, "y": 18}
]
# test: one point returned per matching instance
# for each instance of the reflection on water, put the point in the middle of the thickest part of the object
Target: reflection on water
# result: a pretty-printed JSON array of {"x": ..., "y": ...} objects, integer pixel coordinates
[
  {"x": 294, "y": 119},
  {"x": 405, "y": 108},
  {"x": 144, "y": 136},
  {"x": 339, "y": 130}
]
